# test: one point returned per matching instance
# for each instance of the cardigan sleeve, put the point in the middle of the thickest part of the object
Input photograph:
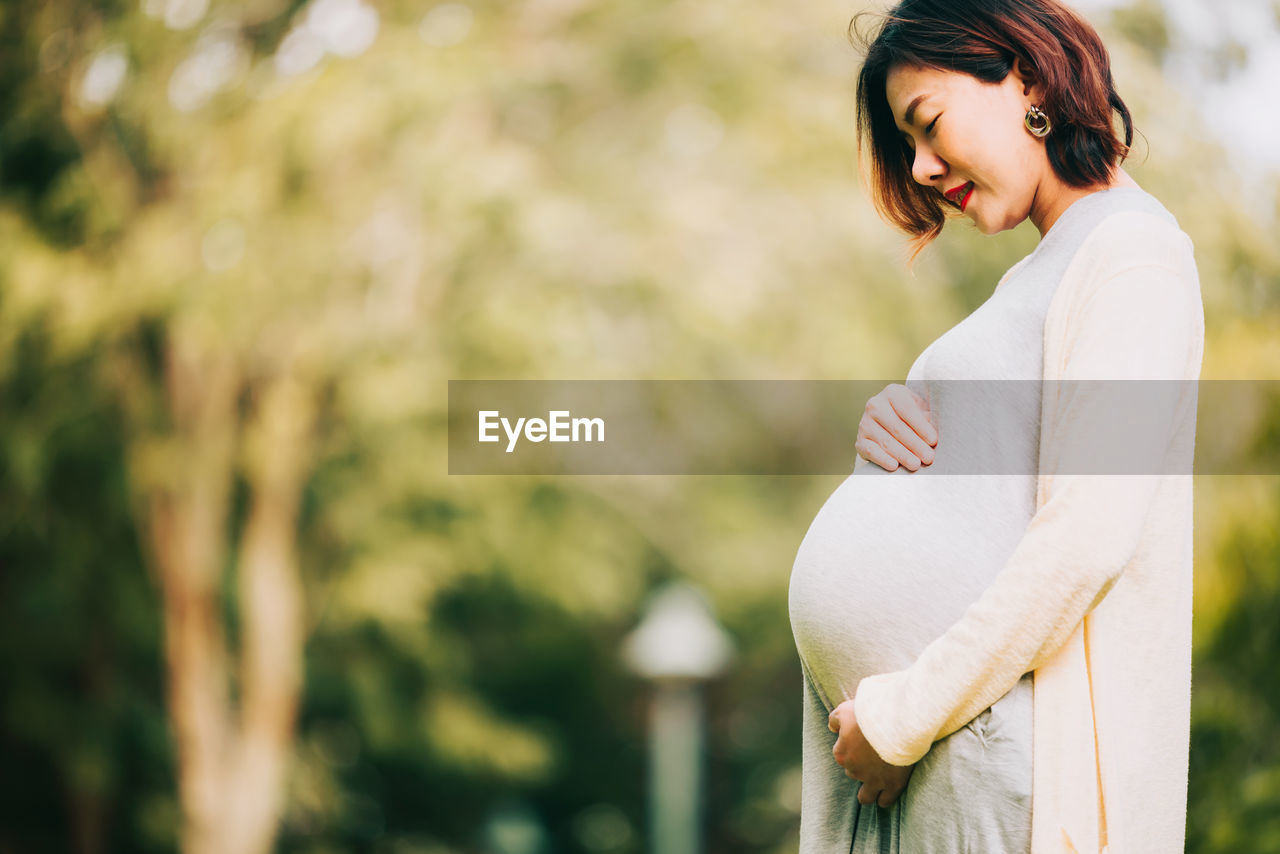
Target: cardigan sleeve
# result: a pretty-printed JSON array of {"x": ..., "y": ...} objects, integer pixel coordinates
[{"x": 1138, "y": 323}]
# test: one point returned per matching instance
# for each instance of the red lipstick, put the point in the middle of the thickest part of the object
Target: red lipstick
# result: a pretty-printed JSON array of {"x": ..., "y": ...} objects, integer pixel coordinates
[{"x": 954, "y": 194}]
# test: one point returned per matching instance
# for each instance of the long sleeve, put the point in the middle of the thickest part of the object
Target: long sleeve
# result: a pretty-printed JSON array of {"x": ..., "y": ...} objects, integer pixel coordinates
[{"x": 1137, "y": 323}]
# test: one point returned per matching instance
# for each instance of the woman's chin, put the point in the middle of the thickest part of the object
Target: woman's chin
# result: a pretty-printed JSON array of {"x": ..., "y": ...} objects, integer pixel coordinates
[{"x": 988, "y": 226}]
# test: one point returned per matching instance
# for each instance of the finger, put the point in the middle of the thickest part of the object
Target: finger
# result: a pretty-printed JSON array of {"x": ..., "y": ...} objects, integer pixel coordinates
[
  {"x": 833, "y": 721},
  {"x": 914, "y": 410},
  {"x": 866, "y": 796},
  {"x": 874, "y": 453},
  {"x": 887, "y": 797},
  {"x": 930, "y": 433},
  {"x": 839, "y": 757},
  {"x": 884, "y": 428},
  {"x": 927, "y": 453},
  {"x": 877, "y": 426},
  {"x": 917, "y": 428},
  {"x": 900, "y": 415}
]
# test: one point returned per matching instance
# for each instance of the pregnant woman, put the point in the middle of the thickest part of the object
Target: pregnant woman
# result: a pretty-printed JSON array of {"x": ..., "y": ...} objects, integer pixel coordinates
[{"x": 939, "y": 611}]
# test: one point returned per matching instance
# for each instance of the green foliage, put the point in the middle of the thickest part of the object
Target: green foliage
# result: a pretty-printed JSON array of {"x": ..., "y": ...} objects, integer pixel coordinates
[{"x": 84, "y": 732}]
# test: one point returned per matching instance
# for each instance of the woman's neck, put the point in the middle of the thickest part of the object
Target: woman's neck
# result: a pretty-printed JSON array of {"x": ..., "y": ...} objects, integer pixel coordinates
[
  {"x": 1069, "y": 195},
  {"x": 1121, "y": 179}
]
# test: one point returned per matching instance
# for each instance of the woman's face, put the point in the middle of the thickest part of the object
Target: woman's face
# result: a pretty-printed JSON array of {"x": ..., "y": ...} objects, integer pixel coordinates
[{"x": 966, "y": 133}]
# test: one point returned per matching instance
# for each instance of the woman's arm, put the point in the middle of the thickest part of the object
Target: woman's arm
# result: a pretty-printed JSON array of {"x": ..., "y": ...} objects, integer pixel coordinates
[{"x": 1143, "y": 322}]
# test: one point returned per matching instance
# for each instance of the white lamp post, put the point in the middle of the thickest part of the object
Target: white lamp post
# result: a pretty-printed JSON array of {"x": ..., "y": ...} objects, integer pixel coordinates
[{"x": 678, "y": 646}]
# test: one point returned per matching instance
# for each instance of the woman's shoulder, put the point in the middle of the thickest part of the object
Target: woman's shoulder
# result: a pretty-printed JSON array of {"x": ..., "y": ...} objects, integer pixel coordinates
[
  {"x": 1130, "y": 225},
  {"x": 1134, "y": 236},
  {"x": 1139, "y": 258},
  {"x": 1127, "y": 239}
]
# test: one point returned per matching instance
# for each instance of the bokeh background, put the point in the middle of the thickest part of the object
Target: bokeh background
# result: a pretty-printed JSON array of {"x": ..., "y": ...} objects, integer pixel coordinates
[{"x": 243, "y": 607}]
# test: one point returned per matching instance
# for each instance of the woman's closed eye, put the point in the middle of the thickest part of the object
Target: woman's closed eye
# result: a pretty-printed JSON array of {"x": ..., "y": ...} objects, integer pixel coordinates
[{"x": 906, "y": 138}]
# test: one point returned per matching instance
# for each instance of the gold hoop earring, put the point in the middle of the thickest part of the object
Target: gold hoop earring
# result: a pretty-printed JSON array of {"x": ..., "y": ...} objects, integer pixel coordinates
[{"x": 1037, "y": 122}]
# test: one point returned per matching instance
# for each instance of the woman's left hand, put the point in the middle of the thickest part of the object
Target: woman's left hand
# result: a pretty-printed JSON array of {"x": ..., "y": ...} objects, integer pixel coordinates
[{"x": 882, "y": 783}]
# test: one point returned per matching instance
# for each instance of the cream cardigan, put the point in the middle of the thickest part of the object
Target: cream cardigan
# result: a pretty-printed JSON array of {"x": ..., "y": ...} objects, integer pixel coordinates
[{"x": 1096, "y": 598}]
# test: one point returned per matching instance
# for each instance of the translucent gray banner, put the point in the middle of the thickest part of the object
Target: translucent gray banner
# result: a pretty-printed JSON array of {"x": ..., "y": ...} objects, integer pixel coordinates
[{"x": 808, "y": 427}]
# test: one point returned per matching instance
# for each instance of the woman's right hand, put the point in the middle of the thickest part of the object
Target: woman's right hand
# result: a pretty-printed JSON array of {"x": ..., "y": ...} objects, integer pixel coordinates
[{"x": 897, "y": 428}]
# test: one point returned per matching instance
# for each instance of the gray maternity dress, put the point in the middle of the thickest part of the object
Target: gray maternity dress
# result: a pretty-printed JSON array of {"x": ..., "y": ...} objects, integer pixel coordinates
[{"x": 893, "y": 559}]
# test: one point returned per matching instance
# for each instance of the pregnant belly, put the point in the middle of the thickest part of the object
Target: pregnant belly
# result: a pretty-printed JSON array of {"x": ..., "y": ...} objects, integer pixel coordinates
[{"x": 891, "y": 561}]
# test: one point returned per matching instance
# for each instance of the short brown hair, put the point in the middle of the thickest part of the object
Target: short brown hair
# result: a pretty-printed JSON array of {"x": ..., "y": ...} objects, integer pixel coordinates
[{"x": 982, "y": 38}]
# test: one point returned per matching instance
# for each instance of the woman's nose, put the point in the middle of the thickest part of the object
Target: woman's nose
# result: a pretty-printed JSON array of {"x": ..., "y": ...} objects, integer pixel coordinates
[{"x": 927, "y": 168}]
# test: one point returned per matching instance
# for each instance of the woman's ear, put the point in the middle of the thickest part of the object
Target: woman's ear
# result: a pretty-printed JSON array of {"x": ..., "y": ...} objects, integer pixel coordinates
[{"x": 1027, "y": 78}]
